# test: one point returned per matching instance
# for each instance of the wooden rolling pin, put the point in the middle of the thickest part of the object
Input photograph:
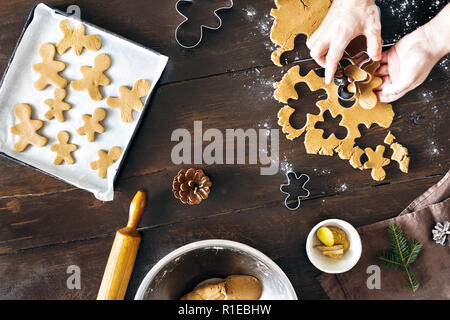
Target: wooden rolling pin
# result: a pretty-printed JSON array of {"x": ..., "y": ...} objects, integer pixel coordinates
[{"x": 123, "y": 254}]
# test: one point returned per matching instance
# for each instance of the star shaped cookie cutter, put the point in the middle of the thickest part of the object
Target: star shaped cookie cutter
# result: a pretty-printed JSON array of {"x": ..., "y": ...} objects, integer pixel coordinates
[
  {"x": 201, "y": 26},
  {"x": 295, "y": 193}
]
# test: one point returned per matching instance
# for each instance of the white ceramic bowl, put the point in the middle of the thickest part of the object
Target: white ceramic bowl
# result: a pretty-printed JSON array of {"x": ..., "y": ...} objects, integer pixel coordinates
[
  {"x": 329, "y": 265},
  {"x": 182, "y": 269}
]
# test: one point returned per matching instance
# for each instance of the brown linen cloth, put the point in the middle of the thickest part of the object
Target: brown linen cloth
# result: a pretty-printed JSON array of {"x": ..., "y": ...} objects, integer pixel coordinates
[{"x": 432, "y": 267}]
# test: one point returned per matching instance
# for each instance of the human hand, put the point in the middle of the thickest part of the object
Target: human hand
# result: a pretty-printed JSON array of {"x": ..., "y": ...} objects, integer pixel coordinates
[
  {"x": 408, "y": 63},
  {"x": 404, "y": 66},
  {"x": 345, "y": 20}
]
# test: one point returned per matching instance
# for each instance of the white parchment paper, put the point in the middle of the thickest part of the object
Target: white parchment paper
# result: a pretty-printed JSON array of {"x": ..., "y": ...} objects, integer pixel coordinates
[{"x": 129, "y": 62}]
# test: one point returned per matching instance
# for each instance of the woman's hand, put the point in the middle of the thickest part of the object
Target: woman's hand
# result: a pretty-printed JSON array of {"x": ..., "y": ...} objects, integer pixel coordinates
[
  {"x": 407, "y": 64},
  {"x": 345, "y": 20}
]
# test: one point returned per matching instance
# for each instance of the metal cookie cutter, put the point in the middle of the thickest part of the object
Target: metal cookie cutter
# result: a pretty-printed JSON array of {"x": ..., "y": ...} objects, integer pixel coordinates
[
  {"x": 341, "y": 80},
  {"x": 294, "y": 189},
  {"x": 201, "y": 26}
]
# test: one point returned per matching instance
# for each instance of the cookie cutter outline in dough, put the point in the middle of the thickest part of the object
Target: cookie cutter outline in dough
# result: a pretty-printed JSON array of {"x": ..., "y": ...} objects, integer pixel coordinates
[
  {"x": 201, "y": 26},
  {"x": 297, "y": 193}
]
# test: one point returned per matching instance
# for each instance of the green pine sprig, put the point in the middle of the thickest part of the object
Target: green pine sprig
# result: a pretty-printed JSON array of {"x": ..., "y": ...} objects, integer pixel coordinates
[{"x": 402, "y": 254}]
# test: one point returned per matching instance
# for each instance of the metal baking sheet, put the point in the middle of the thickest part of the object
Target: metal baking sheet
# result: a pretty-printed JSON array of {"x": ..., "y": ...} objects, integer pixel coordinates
[{"x": 129, "y": 62}]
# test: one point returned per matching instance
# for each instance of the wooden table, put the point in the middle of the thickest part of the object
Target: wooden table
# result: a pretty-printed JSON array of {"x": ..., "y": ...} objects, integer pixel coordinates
[{"x": 47, "y": 225}]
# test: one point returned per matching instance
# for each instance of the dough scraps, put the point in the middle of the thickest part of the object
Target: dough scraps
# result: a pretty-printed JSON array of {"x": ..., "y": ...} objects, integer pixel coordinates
[
  {"x": 64, "y": 149},
  {"x": 400, "y": 155},
  {"x": 130, "y": 100},
  {"x": 57, "y": 106},
  {"x": 49, "y": 69},
  {"x": 105, "y": 160},
  {"x": 355, "y": 159},
  {"x": 76, "y": 39},
  {"x": 26, "y": 129},
  {"x": 92, "y": 124},
  {"x": 389, "y": 138},
  {"x": 294, "y": 17},
  {"x": 93, "y": 77}
]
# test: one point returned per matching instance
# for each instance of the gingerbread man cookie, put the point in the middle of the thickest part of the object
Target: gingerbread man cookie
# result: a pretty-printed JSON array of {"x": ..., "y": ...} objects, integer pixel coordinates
[
  {"x": 105, "y": 160},
  {"x": 26, "y": 129},
  {"x": 130, "y": 100},
  {"x": 355, "y": 72},
  {"x": 64, "y": 149},
  {"x": 93, "y": 77},
  {"x": 92, "y": 124},
  {"x": 364, "y": 89},
  {"x": 49, "y": 69},
  {"x": 57, "y": 106},
  {"x": 76, "y": 39},
  {"x": 376, "y": 162}
]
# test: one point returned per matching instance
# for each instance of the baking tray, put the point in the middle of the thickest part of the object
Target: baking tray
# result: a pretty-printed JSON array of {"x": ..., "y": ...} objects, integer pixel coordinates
[{"x": 150, "y": 66}]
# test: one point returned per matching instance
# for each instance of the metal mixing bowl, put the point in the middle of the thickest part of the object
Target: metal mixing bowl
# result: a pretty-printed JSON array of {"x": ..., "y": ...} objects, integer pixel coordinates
[{"x": 181, "y": 270}]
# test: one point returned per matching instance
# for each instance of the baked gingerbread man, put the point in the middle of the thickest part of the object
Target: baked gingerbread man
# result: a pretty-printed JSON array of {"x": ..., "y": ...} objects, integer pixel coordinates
[
  {"x": 26, "y": 129},
  {"x": 130, "y": 100},
  {"x": 49, "y": 69},
  {"x": 76, "y": 39},
  {"x": 57, "y": 106},
  {"x": 105, "y": 160},
  {"x": 93, "y": 77},
  {"x": 92, "y": 124},
  {"x": 63, "y": 149}
]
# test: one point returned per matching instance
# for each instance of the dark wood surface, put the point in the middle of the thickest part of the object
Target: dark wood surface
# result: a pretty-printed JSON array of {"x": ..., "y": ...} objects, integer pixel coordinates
[{"x": 47, "y": 225}]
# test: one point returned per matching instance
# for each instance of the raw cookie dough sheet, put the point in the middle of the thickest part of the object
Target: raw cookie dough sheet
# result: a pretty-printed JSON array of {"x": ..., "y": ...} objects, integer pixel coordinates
[{"x": 129, "y": 63}]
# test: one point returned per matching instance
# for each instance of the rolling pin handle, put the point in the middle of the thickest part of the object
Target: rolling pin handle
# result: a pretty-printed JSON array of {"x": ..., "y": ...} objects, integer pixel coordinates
[{"x": 136, "y": 209}]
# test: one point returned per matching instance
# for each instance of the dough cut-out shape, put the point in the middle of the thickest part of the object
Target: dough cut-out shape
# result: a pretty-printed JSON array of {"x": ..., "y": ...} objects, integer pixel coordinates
[
  {"x": 382, "y": 114},
  {"x": 92, "y": 124},
  {"x": 63, "y": 149},
  {"x": 352, "y": 116},
  {"x": 376, "y": 162},
  {"x": 364, "y": 89},
  {"x": 294, "y": 17},
  {"x": 130, "y": 100},
  {"x": 400, "y": 155},
  {"x": 57, "y": 106},
  {"x": 356, "y": 73},
  {"x": 76, "y": 39},
  {"x": 353, "y": 73},
  {"x": 49, "y": 69},
  {"x": 26, "y": 129},
  {"x": 93, "y": 77},
  {"x": 105, "y": 160}
]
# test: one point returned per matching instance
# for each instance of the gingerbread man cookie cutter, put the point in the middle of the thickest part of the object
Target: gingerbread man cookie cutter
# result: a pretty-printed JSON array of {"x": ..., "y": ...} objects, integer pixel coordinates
[
  {"x": 341, "y": 79},
  {"x": 296, "y": 189},
  {"x": 203, "y": 26}
]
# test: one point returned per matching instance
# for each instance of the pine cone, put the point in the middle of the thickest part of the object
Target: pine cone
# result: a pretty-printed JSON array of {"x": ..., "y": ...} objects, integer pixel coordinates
[
  {"x": 191, "y": 186},
  {"x": 441, "y": 233}
]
